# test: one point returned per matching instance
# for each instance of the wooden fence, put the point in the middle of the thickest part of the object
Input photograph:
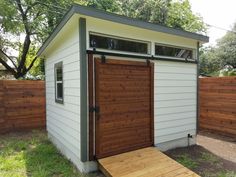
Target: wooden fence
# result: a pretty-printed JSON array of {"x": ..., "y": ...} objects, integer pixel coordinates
[
  {"x": 22, "y": 105},
  {"x": 218, "y": 105}
]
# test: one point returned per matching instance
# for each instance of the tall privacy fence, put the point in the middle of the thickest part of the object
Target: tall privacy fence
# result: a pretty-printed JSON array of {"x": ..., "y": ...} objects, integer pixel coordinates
[
  {"x": 218, "y": 105},
  {"x": 22, "y": 105}
]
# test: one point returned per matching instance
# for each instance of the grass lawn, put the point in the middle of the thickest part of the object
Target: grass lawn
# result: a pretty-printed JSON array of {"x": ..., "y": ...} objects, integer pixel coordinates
[{"x": 32, "y": 154}]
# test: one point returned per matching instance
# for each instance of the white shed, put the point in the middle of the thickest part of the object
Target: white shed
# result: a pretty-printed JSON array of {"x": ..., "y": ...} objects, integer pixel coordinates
[{"x": 116, "y": 84}]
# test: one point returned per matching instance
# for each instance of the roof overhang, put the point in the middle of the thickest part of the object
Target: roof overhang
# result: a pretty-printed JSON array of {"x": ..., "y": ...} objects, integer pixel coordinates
[{"x": 92, "y": 12}]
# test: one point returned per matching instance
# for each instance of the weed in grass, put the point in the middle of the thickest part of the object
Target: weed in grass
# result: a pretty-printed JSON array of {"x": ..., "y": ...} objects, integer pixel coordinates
[
  {"x": 227, "y": 174},
  {"x": 207, "y": 157},
  {"x": 185, "y": 160}
]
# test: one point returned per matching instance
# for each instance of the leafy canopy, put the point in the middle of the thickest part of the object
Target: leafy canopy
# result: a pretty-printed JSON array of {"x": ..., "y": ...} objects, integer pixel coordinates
[
  {"x": 222, "y": 57},
  {"x": 24, "y": 24}
]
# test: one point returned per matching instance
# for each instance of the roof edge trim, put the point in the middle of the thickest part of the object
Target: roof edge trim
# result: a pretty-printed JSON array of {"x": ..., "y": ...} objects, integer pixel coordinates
[
  {"x": 92, "y": 12},
  {"x": 56, "y": 30}
]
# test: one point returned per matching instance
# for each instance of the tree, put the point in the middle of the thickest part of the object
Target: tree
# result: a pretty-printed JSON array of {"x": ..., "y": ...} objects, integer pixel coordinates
[
  {"x": 208, "y": 63},
  {"x": 24, "y": 25},
  {"x": 181, "y": 16},
  {"x": 220, "y": 58},
  {"x": 148, "y": 10},
  {"x": 106, "y": 5},
  {"x": 176, "y": 14},
  {"x": 226, "y": 49}
]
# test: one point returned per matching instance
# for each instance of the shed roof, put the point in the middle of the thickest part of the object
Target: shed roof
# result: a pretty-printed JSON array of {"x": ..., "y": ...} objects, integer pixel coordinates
[{"x": 92, "y": 12}]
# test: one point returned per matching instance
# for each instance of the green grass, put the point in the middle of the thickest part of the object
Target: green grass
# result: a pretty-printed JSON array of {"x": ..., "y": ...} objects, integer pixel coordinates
[
  {"x": 223, "y": 173},
  {"x": 227, "y": 174},
  {"x": 186, "y": 161},
  {"x": 207, "y": 157},
  {"x": 33, "y": 155}
]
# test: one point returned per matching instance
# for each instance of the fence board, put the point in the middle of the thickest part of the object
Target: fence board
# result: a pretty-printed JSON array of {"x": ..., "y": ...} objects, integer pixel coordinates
[
  {"x": 22, "y": 105},
  {"x": 217, "y": 97}
]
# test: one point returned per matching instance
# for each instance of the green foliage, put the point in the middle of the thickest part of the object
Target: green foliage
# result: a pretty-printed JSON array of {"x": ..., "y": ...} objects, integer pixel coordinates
[
  {"x": 226, "y": 49},
  {"x": 228, "y": 71},
  {"x": 38, "y": 67},
  {"x": 148, "y": 10},
  {"x": 186, "y": 161},
  {"x": 208, "y": 63},
  {"x": 226, "y": 173},
  {"x": 25, "y": 24},
  {"x": 208, "y": 157},
  {"x": 106, "y": 5},
  {"x": 176, "y": 14},
  {"x": 220, "y": 59},
  {"x": 181, "y": 16}
]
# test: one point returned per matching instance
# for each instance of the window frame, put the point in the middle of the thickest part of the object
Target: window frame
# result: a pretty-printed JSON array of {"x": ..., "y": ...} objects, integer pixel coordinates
[
  {"x": 149, "y": 43},
  {"x": 173, "y": 57},
  {"x": 56, "y": 66}
]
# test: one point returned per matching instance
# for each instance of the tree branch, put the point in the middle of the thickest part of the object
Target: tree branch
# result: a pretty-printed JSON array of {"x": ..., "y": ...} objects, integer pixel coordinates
[
  {"x": 30, "y": 7},
  {"x": 4, "y": 63},
  {"x": 3, "y": 54},
  {"x": 23, "y": 15},
  {"x": 24, "y": 52},
  {"x": 31, "y": 64}
]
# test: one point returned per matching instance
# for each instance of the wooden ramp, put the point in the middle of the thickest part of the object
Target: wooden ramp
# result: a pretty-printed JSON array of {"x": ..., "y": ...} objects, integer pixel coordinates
[{"x": 147, "y": 162}]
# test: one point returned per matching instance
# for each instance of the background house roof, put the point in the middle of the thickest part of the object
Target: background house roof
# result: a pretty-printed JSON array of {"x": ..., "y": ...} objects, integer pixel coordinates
[{"x": 92, "y": 12}]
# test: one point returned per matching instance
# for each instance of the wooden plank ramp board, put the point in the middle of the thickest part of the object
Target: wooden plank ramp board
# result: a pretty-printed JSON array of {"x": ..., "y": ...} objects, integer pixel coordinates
[{"x": 146, "y": 162}]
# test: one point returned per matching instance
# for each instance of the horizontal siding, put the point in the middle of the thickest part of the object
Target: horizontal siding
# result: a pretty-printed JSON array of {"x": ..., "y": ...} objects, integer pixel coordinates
[
  {"x": 63, "y": 120},
  {"x": 173, "y": 136},
  {"x": 174, "y": 100},
  {"x": 174, "y": 96}
]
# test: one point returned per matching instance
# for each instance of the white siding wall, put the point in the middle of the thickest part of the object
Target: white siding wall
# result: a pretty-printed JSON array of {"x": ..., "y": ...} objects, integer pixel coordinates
[
  {"x": 174, "y": 100},
  {"x": 175, "y": 87},
  {"x": 63, "y": 120}
]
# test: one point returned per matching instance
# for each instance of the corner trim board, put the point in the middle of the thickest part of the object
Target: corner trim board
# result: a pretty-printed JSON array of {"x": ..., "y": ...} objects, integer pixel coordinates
[
  {"x": 197, "y": 105},
  {"x": 83, "y": 91}
]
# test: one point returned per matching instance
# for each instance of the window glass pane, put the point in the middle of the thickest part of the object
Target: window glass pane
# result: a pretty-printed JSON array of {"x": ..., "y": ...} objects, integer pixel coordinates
[
  {"x": 59, "y": 74},
  {"x": 173, "y": 52},
  {"x": 110, "y": 43},
  {"x": 59, "y": 91}
]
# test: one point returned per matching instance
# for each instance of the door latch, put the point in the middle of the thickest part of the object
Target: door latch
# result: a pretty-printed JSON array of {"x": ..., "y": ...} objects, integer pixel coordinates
[{"x": 94, "y": 109}]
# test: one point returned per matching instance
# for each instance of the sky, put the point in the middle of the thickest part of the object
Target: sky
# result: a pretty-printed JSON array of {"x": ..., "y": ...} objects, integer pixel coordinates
[{"x": 220, "y": 13}]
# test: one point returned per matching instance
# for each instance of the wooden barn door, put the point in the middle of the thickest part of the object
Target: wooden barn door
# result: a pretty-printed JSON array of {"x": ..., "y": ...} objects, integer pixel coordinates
[{"x": 124, "y": 101}]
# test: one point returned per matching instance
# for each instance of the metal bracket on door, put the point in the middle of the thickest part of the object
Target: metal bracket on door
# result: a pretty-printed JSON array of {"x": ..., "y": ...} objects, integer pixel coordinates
[
  {"x": 103, "y": 59},
  {"x": 148, "y": 62}
]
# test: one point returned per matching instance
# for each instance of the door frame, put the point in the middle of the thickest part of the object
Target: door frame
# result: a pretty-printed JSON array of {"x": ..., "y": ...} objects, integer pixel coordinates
[{"x": 91, "y": 94}]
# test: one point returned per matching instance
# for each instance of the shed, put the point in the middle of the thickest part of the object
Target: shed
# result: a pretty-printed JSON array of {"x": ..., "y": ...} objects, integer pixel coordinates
[{"x": 116, "y": 84}]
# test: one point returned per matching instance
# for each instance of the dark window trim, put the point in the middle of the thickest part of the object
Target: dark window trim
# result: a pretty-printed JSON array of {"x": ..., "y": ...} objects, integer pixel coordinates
[
  {"x": 149, "y": 43},
  {"x": 149, "y": 57},
  {"x": 175, "y": 46},
  {"x": 56, "y": 65}
]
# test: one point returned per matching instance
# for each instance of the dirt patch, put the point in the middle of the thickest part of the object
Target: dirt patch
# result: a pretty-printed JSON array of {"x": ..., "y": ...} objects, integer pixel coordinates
[
  {"x": 203, "y": 162},
  {"x": 223, "y": 146}
]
